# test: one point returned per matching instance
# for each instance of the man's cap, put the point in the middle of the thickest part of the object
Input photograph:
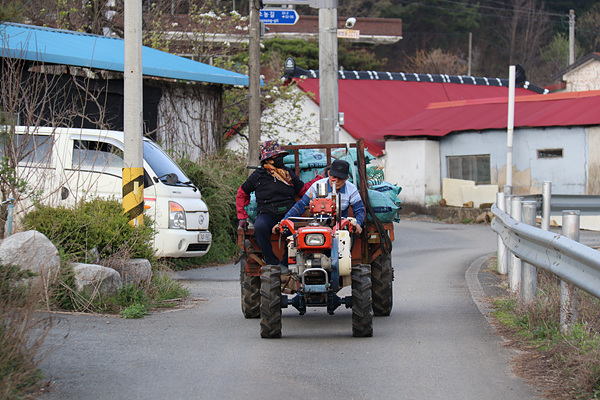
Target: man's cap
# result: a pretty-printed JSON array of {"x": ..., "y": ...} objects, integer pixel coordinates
[{"x": 339, "y": 169}]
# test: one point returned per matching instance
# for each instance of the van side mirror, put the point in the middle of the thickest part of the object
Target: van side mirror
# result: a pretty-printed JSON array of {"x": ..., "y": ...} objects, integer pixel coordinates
[{"x": 172, "y": 178}]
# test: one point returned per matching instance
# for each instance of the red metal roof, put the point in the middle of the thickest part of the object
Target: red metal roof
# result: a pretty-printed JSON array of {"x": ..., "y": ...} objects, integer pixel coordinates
[
  {"x": 555, "y": 109},
  {"x": 369, "y": 106}
]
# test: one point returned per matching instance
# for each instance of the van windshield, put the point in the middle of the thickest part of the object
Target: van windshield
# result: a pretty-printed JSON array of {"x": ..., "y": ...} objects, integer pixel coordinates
[{"x": 162, "y": 164}]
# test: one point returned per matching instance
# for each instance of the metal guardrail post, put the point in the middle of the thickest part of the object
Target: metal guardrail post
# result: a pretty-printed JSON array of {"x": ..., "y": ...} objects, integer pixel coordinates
[
  {"x": 528, "y": 271},
  {"x": 546, "y": 203},
  {"x": 514, "y": 269},
  {"x": 568, "y": 293},
  {"x": 502, "y": 251},
  {"x": 507, "y": 189}
]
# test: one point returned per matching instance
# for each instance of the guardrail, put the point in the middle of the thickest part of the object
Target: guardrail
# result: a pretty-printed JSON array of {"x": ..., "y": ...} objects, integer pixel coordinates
[
  {"x": 560, "y": 254},
  {"x": 584, "y": 203},
  {"x": 566, "y": 258}
]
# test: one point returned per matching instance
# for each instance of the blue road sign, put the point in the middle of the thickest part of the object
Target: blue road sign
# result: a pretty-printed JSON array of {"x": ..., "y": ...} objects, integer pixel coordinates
[
  {"x": 278, "y": 16},
  {"x": 282, "y": 2}
]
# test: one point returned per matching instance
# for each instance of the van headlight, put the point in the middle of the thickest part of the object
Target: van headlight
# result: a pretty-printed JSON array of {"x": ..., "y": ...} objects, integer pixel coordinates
[
  {"x": 176, "y": 216},
  {"x": 314, "y": 239}
]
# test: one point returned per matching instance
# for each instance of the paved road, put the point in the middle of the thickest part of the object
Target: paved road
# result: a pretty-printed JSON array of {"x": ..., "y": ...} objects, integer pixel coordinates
[{"x": 435, "y": 345}]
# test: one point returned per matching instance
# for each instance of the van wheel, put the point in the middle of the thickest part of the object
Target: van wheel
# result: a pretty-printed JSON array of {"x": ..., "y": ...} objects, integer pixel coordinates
[
  {"x": 382, "y": 277},
  {"x": 362, "y": 317},
  {"x": 250, "y": 293},
  {"x": 270, "y": 301}
]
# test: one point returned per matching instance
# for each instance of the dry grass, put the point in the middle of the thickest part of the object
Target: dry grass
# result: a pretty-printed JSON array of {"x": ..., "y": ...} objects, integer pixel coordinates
[
  {"x": 561, "y": 366},
  {"x": 22, "y": 333}
]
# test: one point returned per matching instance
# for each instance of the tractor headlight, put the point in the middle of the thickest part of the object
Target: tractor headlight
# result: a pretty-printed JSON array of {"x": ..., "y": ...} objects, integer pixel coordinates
[
  {"x": 176, "y": 216},
  {"x": 314, "y": 239}
]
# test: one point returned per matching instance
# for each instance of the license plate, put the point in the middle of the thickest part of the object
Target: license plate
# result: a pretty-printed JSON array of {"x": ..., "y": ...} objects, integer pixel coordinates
[{"x": 204, "y": 237}]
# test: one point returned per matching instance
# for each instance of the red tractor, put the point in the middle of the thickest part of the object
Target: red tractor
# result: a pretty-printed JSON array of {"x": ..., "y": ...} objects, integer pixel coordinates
[{"x": 324, "y": 256}]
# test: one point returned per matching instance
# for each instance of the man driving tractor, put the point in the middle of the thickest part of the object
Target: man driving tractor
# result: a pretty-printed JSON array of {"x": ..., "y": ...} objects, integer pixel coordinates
[{"x": 350, "y": 196}]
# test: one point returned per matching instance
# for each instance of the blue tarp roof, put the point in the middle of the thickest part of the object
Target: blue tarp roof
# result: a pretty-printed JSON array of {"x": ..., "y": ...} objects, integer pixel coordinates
[{"x": 58, "y": 46}]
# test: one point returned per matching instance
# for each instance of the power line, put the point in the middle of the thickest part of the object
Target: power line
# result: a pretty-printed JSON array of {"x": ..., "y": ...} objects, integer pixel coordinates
[
  {"x": 477, "y": 12},
  {"x": 522, "y": 9}
]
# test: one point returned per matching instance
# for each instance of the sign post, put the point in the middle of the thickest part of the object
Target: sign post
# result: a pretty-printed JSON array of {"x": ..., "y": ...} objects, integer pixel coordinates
[{"x": 328, "y": 64}]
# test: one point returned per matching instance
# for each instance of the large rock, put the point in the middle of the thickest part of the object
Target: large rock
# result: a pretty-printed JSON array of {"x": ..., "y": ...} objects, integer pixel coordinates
[
  {"x": 33, "y": 251},
  {"x": 96, "y": 279},
  {"x": 135, "y": 271}
]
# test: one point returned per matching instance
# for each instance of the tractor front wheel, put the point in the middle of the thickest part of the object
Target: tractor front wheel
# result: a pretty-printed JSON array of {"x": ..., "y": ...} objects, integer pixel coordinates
[
  {"x": 362, "y": 316},
  {"x": 270, "y": 301}
]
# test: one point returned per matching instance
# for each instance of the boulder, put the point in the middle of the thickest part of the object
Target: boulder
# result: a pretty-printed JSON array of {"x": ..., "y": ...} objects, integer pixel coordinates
[
  {"x": 33, "y": 251},
  {"x": 96, "y": 279},
  {"x": 133, "y": 271},
  {"x": 484, "y": 218}
]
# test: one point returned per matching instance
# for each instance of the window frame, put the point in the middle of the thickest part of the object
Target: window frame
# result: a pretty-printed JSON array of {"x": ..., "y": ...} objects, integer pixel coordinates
[{"x": 474, "y": 167}]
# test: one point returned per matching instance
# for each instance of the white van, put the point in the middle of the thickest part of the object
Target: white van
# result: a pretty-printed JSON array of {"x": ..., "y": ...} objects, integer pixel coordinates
[{"x": 67, "y": 165}]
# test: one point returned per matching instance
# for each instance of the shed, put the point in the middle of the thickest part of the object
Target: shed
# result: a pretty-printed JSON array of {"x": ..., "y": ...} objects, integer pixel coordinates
[
  {"x": 182, "y": 98},
  {"x": 582, "y": 75},
  {"x": 556, "y": 138}
]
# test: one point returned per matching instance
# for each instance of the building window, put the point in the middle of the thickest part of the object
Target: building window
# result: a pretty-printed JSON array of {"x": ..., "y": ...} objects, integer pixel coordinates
[
  {"x": 550, "y": 153},
  {"x": 472, "y": 168}
]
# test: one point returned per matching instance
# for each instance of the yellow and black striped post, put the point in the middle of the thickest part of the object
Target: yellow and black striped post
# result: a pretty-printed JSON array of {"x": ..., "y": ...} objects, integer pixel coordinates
[{"x": 133, "y": 195}]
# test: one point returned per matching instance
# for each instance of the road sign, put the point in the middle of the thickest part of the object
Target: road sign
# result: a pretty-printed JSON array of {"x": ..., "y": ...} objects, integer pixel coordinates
[
  {"x": 312, "y": 3},
  {"x": 348, "y": 33},
  {"x": 295, "y": 2},
  {"x": 278, "y": 16}
]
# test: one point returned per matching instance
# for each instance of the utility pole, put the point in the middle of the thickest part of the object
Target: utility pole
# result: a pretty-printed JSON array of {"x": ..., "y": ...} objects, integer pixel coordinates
[
  {"x": 328, "y": 72},
  {"x": 254, "y": 84},
  {"x": 571, "y": 37},
  {"x": 470, "y": 51},
  {"x": 133, "y": 122}
]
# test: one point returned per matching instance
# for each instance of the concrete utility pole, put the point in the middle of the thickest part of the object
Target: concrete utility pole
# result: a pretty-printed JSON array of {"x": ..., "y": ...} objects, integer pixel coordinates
[
  {"x": 254, "y": 84},
  {"x": 133, "y": 122},
  {"x": 328, "y": 71},
  {"x": 571, "y": 37}
]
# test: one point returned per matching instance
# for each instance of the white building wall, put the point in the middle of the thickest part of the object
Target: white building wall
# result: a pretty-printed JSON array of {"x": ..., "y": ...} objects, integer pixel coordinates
[
  {"x": 413, "y": 165},
  {"x": 586, "y": 77},
  {"x": 568, "y": 174},
  {"x": 288, "y": 124},
  {"x": 187, "y": 121}
]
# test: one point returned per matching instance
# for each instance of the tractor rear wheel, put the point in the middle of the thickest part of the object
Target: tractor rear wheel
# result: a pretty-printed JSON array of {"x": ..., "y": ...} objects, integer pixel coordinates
[
  {"x": 382, "y": 276},
  {"x": 270, "y": 301},
  {"x": 250, "y": 293},
  {"x": 362, "y": 316}
]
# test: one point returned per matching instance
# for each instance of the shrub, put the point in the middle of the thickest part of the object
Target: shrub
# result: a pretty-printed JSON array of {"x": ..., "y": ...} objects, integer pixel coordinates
[
  {"x": 92, "y": 230},
  {"x": 219, "y": 177},
  {"x": 134, "y": 311}
]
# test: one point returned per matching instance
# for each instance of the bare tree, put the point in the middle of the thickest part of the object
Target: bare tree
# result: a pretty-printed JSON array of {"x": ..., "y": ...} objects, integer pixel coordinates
[
  {"x": 437, "y": 62},
  {"x": 91, "y": 16},
  {"x": 35, "y": 95},
  {"x": 526, "y": 31},
  {"x": 588, "y": 26}
]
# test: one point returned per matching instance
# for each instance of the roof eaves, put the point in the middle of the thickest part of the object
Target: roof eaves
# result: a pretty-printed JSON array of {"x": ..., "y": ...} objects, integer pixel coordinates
[
  {"x": 576, "y": 65},
  {"x": 414, "y": 77},
  {"x": 50, "y": 45}
]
